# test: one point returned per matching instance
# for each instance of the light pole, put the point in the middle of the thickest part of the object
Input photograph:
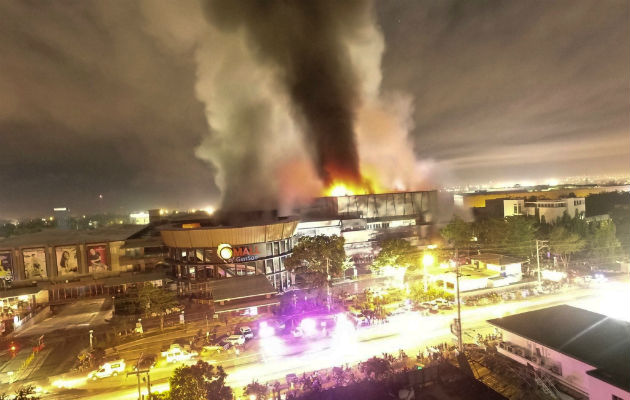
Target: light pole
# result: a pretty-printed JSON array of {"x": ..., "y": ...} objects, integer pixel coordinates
[{"x": 460, "y": 345}]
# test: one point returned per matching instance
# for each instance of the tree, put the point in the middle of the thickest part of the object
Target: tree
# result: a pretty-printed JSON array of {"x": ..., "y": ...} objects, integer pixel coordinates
[
  {"x": 154, "y": 300},
  {"x": 513, "y": 235},
  {"x": 458, "y": 232},
  {"x": 23, "y": 393},
  {"x": 564, "y": 243},
  {"x": 200, "y": 381},
  {"x": 602, "y": 243},
  {"x": 397, "y": 253},
  {"x": 322, "y": 256},
  {"x": 258, "y": 390},
  {"x": 375, "y": 367}
]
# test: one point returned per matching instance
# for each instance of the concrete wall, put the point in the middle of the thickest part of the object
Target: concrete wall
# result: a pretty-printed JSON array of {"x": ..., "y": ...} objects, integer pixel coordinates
[
  {"x": 601, "y": 390},
  {"x": 573, "y": 371},
  {"x": 508, "y": 207}
]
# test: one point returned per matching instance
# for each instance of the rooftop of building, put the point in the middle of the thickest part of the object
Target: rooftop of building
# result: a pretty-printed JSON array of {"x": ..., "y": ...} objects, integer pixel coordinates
[
  {"x": 57, "y": 237},
  {"x": 226, "y": 219},
  {"x": 592, "y": 338},
  {"x": 496, "y": 259}
]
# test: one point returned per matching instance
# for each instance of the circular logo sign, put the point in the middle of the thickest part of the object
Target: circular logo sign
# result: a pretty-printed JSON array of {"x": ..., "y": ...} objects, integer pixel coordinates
[{"x": 225, "y": 251}]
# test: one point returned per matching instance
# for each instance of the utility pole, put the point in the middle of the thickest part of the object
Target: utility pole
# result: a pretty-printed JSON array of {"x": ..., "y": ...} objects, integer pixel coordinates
[
  {"x": 460, "y": 344},
  {"x": 137, "y": 373},
  {"x": 538, "y": 247}
]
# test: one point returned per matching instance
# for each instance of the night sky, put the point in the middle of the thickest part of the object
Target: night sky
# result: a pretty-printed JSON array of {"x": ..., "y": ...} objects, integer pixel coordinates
[{"x": 109, "y": 97}]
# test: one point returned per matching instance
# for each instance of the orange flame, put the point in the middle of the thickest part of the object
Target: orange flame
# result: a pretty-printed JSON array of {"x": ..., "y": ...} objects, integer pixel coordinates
[{"x": 340, "y": 187}]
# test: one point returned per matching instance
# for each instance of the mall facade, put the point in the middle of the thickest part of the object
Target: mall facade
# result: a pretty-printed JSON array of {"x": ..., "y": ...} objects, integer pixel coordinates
[
  {"x": 202, "y": 250},
  {"x": 198, "y": 253}
]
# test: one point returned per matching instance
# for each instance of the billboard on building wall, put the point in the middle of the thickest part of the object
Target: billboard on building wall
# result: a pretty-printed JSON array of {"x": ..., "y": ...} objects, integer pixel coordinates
[
  {"x": 34, "y": 263},
  {"x": 97, "y": 258},
  {"x": 67, "y": 262},
  {"x": 6, "y": 266}
]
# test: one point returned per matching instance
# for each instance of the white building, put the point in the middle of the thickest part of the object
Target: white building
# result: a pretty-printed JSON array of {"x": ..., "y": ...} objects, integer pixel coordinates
[
  {"x": 574, "y": 351},
  {"x": 551, "y": 210}
]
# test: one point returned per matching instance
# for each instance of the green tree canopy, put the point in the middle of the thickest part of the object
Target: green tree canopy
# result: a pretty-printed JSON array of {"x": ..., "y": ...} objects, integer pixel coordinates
[
  {"x": 565, "y": 243},
  {"x": 375, "y": 367},
  {"x": 155, "y": 300},
  {"x": 200, "y": 381},
  {"x": 458, "y": 232},
  {"x": 23, "y": 393},
  {"x": 513, "y": 235},
  {"x": 321, "y": 255},
  {"x": 602, "y": 243},
  {"x": 396, "y": 253},
  {"x": 258, "y": 390}
]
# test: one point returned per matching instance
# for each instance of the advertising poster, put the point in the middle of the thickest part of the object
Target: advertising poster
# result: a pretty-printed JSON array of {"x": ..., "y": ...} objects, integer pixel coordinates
[
  {"x": 34, "y": 263},
  {"x": 97, "y": 258},
  {"x": 6, "y": 266},
  {"x": 67, "y": 263}
]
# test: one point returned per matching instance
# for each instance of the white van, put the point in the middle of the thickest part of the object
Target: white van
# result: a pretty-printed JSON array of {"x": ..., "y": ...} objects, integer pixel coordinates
[{"x": 108, "y": 369}]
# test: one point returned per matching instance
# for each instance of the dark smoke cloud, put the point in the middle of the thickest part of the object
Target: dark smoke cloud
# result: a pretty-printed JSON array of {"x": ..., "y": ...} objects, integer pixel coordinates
[{"x": 303, "y": 42}]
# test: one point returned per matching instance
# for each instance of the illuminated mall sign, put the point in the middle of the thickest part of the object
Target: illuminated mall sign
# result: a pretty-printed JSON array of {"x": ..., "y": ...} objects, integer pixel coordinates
[{"x": 238, "y": 254}]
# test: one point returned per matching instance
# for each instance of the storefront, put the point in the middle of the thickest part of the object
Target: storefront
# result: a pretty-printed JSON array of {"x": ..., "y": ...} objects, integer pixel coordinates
[{"x": 204, "y": 252}]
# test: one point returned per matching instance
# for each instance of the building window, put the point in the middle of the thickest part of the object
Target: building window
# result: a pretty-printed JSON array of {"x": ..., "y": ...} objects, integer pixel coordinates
[
  {"x": 276, "y": 248},
  {"x": 515, "y": 209},
  {"x": 269, "y": 249},
  {"x": 283, "y": 246},
  {"x": 268, "y": 266}
]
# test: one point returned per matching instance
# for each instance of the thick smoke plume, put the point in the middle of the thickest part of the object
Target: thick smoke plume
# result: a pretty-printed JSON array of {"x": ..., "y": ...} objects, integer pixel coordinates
[
  {"x": 303, "y": 42},
  {"x": 292, "y": 97}
]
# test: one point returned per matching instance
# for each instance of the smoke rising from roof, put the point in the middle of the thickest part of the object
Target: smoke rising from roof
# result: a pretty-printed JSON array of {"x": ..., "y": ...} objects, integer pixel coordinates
[{"x": 288, "y": 89}]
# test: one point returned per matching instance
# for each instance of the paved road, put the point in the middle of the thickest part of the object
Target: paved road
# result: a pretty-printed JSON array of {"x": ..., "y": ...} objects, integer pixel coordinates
[{"x": 272, "y": 358}]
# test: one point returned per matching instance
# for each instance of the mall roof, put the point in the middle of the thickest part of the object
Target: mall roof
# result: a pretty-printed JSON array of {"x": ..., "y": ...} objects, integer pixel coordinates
[
  {"x": 56, "y": 237},
  {"x": 240, "y": 287},
  {"x": 589, "y": 337}
]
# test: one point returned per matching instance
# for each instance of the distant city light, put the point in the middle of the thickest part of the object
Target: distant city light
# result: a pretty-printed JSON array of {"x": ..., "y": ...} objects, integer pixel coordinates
[{"x": 209, "y": 210}]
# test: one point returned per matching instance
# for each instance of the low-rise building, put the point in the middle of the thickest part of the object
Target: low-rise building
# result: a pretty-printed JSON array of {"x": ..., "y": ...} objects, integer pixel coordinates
[
  {"x": 551, "y": 210},
  {"x": 484, "y": 271},
  {"x": 575, "y": 350}
]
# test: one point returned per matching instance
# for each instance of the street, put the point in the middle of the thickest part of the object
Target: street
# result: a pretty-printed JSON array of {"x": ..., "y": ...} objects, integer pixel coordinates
[{"x": 270, "y": 359}]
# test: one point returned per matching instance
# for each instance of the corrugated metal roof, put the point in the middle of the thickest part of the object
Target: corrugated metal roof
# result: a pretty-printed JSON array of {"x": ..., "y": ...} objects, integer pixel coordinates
[
  {"x": 212, "y": 237},
  {"x": 56, "y": 237}
]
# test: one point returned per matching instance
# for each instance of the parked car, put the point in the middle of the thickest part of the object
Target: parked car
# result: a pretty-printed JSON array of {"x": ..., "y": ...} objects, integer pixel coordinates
[
  {"x": 222, "y": 342},
  {"x": 246, "y": 331},
  {"x": 177, "y": 353},
  {"x": 445, "y": 307},
  {"x": 112, "y": 368},
  {"x": 235, "y": 340}
]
